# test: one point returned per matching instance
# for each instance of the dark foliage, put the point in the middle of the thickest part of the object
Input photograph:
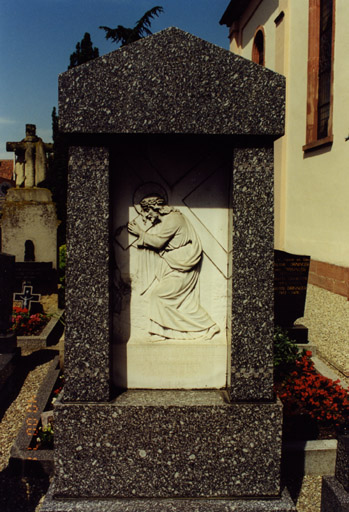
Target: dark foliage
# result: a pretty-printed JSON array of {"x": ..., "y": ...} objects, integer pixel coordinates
[
  {"x": 84, "y": 52},
  {"x": 125, "y": 35},
  {"x": 57, "y": 176}
]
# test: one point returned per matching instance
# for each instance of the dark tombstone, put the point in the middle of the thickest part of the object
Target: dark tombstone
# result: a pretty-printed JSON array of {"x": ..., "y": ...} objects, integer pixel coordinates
[
  {"x": 148, "y": 447},
  {"x": 7, "y": 275},
  {"x": 335, "y": 489},
  {"x": 290, "y": 289},
  {"x": 39, "y": 274}
]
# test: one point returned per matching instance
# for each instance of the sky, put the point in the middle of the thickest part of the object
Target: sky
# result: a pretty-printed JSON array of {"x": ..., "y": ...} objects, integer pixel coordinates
[{"x": 37, "y": 38}]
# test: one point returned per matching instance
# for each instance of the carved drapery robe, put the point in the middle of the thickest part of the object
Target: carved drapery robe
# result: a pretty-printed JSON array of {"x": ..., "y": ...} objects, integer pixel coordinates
[{"x": 175, "y": 310}]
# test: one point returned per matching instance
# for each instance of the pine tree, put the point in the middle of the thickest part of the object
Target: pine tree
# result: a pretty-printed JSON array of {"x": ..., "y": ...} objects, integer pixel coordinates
[
  {"x": 84, "y": 52},
  {"x": 125, "y": 35}
]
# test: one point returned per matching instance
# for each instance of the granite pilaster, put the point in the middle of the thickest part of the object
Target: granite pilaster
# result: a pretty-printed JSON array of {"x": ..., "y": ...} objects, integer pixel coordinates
[
  {"x": 252, "y": 303},
  {"x": 87, "y": 336}
]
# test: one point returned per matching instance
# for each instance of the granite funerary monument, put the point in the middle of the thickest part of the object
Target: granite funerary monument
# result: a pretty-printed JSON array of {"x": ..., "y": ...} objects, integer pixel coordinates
[{"x": 168, "y": 402}]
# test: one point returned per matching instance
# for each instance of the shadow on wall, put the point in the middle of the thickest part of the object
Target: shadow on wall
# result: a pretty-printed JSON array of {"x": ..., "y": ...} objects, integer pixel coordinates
[{"x": 263, "y": 16}]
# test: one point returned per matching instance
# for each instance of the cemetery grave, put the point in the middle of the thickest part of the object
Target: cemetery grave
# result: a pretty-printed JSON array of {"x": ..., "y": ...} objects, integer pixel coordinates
[
  {"x": 169, "y": 319},
  {"x": 184, "y": 185}
]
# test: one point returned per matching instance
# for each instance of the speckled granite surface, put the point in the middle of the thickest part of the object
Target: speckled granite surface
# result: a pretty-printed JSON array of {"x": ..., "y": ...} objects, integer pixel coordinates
[
  {"x": 282, "y": 504},
  {"x": 334, "y": 498},
  {"x": 171, "y": 82},
  {"x": 253, "y": 274},
  {"x": 342, "y": 461},
  {"x": 87, "y": 296},
  {"x": 168, "y": 444}
]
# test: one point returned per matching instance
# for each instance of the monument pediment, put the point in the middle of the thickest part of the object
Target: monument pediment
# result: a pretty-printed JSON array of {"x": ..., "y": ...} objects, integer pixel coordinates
[{"x": 172, "y": 82}]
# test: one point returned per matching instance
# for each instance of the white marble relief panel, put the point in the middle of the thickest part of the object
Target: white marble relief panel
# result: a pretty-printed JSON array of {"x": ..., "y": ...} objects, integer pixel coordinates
[{"x": 171, "y": 250}]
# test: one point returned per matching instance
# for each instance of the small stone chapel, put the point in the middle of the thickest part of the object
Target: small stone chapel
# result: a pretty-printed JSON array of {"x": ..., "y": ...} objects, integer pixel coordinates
[{"x": 168, "y": 402}]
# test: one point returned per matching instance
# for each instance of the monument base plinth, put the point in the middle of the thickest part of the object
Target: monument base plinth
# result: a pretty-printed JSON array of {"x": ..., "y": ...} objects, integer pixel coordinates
[
  {"x": 283, "y": 503},
  {"x": 168, "y": 445}
]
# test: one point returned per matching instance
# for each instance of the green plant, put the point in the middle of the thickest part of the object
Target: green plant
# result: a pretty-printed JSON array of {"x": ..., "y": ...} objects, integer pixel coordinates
[
  {"x": 286, "y": 354},
  {"x": 62, "y": 258},
  {"x": 45, "y": 437}
]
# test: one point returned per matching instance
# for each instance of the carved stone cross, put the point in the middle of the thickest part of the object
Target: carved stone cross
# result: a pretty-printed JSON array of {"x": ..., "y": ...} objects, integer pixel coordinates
[{"x": 30, "y": 169}]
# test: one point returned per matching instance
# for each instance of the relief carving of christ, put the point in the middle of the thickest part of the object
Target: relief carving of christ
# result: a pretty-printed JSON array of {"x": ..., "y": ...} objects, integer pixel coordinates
[{"x": 175, "y": 310}]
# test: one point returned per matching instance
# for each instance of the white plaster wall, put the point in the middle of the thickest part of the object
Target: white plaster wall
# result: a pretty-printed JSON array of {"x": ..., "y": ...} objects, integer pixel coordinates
[
  {"x": 263, "y": 16},
  {"x": 317, "y": 212},
  {"x": 312, "y": 189}
]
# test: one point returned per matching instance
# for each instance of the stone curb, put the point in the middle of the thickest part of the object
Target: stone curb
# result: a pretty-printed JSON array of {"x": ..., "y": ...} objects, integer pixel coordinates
[
  {"x": 49, "y": 336},
  {"x": 23, "y": 460},
  {"x": 311, "y": 458}
]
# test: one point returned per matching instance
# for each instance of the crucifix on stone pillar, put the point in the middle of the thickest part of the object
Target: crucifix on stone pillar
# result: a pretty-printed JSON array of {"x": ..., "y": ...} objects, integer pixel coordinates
[{"x": 30, "y": 168}]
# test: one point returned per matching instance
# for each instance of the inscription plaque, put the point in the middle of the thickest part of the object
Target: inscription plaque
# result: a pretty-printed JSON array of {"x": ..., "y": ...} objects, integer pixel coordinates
[{"x": 290, "y": 288}]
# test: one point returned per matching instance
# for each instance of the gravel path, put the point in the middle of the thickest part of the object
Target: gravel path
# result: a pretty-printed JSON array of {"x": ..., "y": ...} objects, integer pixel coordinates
[{"x": 327, "y": 318}]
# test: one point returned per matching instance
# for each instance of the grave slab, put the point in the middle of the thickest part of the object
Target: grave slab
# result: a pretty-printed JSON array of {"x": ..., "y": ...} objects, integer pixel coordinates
[{"x": 335, "y": 490}]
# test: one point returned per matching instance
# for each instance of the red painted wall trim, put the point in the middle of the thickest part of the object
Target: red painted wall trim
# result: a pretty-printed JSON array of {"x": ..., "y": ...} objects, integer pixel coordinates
[{"x": 330, "y": 277}]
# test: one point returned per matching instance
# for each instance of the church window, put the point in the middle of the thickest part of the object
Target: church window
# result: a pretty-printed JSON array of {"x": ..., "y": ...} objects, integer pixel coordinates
[
  {"x": 320, "y": 73},
  {"x": 258, "y": 49}
]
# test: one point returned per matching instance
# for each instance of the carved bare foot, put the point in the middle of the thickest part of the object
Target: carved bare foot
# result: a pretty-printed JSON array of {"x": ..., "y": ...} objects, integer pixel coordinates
[
  {"x": 157, "y": 337},
  {"x": 212, "y": 332}
]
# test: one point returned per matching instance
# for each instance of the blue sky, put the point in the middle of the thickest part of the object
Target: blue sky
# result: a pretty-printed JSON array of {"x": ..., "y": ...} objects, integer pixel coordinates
[{"x": 38, "y": 36}]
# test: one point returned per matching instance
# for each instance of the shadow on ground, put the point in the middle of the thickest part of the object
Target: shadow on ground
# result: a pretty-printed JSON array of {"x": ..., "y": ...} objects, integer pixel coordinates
[
  {"x": 292, "y": 473},
  {"x": 21, "y": 493},
  {"x": 25, "y": 365}
]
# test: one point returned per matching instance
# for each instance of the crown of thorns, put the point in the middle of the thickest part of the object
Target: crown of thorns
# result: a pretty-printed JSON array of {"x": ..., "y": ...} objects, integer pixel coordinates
[{"x": 153, "y": 200}]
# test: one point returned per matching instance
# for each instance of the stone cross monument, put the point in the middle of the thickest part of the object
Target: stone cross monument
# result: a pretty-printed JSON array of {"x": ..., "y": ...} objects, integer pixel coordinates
[
  {"x": 168, "y": 402},
  {"x": 29, "y": 220},
  {"x": 30, "y": 168}
]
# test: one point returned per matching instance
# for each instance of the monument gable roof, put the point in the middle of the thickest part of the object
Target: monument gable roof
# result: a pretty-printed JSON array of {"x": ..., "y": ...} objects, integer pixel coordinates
[{"x": 171, "y": 82}]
